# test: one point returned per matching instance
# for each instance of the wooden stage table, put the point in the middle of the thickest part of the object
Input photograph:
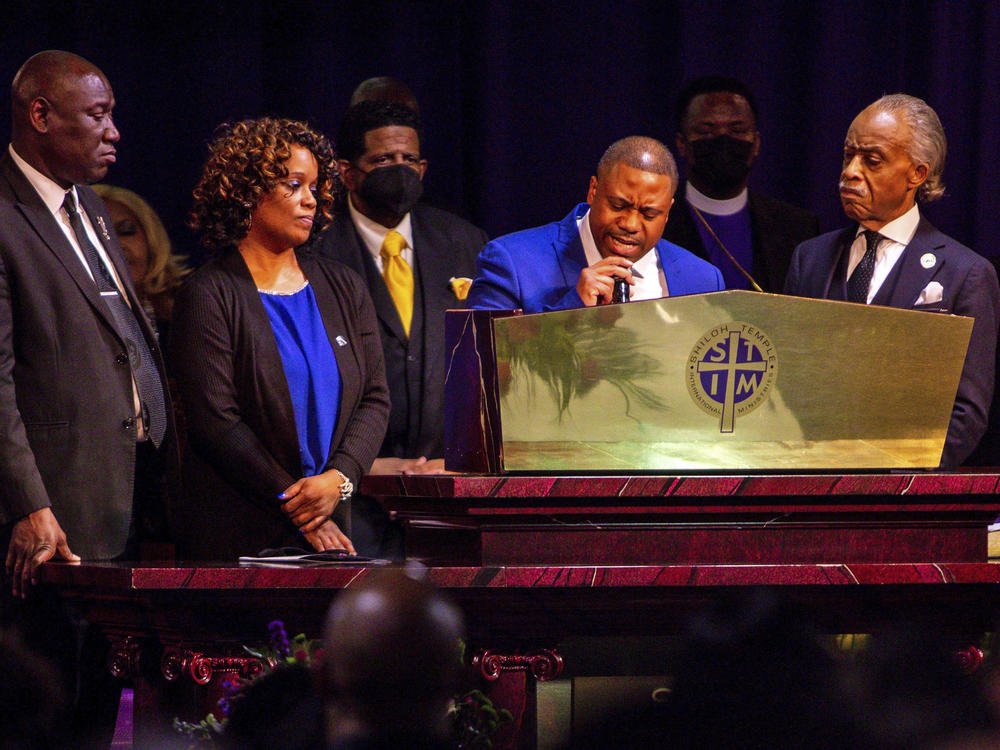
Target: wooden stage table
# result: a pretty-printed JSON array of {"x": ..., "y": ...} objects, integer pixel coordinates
[{"x": 534, "y": 561}]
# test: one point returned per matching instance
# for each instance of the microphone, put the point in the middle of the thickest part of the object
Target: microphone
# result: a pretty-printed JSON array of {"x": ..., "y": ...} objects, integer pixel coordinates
[{"x": 620, "y": 292}]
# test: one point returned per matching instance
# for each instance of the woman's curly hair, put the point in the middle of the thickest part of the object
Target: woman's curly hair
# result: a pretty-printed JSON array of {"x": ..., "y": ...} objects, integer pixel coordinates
[{"x": 246, "y": 161}]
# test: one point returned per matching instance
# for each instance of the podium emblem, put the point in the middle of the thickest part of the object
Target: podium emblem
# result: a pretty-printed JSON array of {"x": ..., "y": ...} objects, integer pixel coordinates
[{"x": 730, "y": 371}]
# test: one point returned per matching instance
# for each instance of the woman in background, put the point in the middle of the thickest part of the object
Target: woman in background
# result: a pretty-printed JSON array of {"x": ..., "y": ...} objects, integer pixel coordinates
[
  {"x": 276, "y": 352},
  {"x": 156, "y": 271}
]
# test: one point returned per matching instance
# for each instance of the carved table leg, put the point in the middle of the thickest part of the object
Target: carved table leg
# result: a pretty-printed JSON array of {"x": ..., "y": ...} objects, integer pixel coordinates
[
  {"x": 133, "y": 660},
  {"x": 173, "y": 682},
  {"x": 969, "y": 658},
  {"x": 510, "y": 683},
  {"x": 212, "y": 673}
]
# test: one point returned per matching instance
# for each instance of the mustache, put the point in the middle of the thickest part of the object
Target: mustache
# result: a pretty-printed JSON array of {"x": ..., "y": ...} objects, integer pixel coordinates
[{"x": 845, "y": 188}]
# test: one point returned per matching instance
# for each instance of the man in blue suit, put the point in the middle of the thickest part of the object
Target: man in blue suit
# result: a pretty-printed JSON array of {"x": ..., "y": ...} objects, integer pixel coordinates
[
  {"x": 893, "y": 156},
  {"x": 574, "y": 262}
]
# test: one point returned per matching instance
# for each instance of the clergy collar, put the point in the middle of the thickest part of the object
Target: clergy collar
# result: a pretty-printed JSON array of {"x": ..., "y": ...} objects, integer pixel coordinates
[{"x": 712, "y": 206}]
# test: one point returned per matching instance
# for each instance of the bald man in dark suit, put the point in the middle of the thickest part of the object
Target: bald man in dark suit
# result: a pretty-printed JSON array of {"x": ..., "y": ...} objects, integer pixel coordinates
[
  {"x": 74, "y": 410},
  {"x": 85, "y": 422}
]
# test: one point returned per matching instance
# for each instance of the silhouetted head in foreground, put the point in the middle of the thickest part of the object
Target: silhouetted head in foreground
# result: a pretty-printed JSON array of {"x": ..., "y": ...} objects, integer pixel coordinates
[{"x": 391, "y": 659}]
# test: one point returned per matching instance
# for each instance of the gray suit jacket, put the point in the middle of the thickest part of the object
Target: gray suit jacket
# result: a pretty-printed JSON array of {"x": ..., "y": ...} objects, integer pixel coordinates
[{"x": 67, "y": 437}]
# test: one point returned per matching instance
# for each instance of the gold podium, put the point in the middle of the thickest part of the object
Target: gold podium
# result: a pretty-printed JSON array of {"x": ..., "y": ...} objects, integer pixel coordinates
[{"x": 723, "y": 381}]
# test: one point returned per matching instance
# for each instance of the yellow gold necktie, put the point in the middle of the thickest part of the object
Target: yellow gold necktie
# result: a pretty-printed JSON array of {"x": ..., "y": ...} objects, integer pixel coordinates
[{"x": 398, "y": 276}]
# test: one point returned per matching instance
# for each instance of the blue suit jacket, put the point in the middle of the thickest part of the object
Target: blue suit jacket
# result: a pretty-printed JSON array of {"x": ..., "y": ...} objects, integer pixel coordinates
[
  {"x": 536, "y": 270},
  {"x": 970, "y": 288}
]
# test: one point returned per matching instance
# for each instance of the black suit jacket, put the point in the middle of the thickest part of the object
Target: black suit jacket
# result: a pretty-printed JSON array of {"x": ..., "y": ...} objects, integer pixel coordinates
[
  {"x": 970, "y": 288},
  {"x": 244, "y": 448},
  {"x": 445, "y": 246},
  {"x": 66, "y": 395},
  {"x": 776, "y": 229}
]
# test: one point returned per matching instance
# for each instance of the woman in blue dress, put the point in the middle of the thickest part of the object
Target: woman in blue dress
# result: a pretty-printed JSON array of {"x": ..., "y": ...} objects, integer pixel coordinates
[{"x": 278, "y": 361}]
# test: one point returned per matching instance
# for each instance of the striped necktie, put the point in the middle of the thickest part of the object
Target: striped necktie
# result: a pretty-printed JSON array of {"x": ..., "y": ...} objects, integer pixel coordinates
[{"x": 138, "y": 356}]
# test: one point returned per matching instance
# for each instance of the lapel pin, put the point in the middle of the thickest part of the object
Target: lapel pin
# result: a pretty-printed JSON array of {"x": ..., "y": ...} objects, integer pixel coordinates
[
  {"x": 927, "y": 260},
  {"x": 341, "y": 341},
  {"x": 104, "y": 229}
]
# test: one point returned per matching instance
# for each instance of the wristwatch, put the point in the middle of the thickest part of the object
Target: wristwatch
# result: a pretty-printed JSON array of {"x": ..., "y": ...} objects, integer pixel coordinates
[{"x": 346, "y": 488}]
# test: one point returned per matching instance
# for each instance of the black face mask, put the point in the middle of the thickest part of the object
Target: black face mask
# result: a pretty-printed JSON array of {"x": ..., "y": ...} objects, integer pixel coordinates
[
  {"x": 391, "y": 191},
  {"x": 721, "y": 163}
]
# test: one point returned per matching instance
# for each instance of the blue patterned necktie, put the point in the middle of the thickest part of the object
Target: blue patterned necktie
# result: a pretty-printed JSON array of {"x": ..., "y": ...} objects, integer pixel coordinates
[
  {"x": 144, "y": 370},
  {"x": 861, "y": 279}
]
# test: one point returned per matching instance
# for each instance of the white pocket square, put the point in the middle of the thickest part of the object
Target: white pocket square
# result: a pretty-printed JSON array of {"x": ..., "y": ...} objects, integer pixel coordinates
[{"x": 931, "y": 293}]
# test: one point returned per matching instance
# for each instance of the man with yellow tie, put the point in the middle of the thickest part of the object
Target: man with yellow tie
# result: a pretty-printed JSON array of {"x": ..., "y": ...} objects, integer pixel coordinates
[{"x": 414, "y": 258}]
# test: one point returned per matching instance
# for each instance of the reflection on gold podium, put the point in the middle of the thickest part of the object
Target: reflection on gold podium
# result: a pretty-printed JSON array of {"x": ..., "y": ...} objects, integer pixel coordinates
[{"x": 723, "y": 381}]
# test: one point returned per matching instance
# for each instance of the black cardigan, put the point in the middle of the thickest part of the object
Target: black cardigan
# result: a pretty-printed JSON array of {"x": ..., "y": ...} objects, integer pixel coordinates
[{"x": 238, "y": 410}]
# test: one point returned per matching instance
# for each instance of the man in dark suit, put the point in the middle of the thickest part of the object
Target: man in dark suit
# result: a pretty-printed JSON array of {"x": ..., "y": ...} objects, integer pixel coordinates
[
  {"x": 614, "y": 235},
  {"x": 893, "y": 156},
  {"x": 717, "y": 137},
  {"x": 84, "y": 412},
  {"x": 417, "y": 262}
]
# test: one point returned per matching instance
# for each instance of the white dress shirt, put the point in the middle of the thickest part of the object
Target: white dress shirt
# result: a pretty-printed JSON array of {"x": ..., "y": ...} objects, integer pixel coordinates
[
  {"x": 653, "y": 283},
  {"x": 53, "y": 195},
  {"x": 896, "y": 236},
  {"x": 373, "y": 235}
]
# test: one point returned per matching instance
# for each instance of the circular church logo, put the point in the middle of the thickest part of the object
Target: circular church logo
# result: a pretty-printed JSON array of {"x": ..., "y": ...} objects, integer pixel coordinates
[{"x": 731, "y": 370}]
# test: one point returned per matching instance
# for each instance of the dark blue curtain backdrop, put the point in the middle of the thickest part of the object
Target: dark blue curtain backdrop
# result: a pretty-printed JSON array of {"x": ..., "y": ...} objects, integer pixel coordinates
[{"x": 520, "y": 99}]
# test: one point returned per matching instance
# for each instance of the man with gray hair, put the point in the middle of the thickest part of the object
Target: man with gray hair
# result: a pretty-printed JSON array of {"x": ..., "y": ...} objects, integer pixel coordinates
[
  {"x": 574, "y": 262},
  {"x": 894, "y": 156}
]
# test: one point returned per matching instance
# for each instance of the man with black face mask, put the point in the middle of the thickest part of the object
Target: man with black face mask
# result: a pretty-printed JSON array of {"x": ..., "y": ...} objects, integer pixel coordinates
[
  {"x": 417, "y": 261},
  {"x": 718, "y": 139}
]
